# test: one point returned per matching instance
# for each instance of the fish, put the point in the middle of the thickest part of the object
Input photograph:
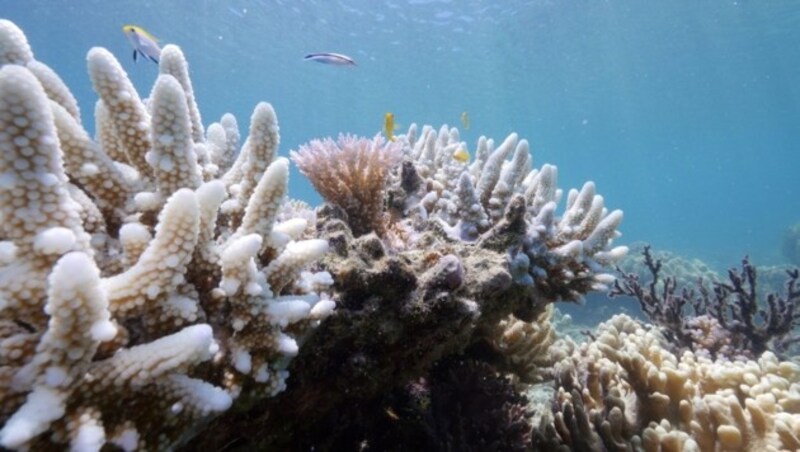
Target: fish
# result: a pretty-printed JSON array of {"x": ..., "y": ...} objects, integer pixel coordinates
[
  {"x": 461, "y": 155},
  {"x": 144, "y": 44},
  {"x": 335, "y": 59},
  {"x": 465, "y": 120},
  {"x": 391, "y": 413},
  {"x": 388, "y": 126}
]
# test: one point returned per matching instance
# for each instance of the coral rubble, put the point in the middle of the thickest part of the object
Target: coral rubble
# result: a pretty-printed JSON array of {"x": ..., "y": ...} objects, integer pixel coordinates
[{"x": 134, "y": 304}]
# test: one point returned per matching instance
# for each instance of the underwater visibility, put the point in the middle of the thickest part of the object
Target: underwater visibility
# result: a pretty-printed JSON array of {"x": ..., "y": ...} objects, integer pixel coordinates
[{"x": 399, "y": 225}]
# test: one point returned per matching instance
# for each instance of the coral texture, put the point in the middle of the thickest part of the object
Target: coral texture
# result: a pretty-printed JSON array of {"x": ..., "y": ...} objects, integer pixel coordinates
[
  {"x": 624, "y": 390},
  {"x": 459, "y": 404},
  {"x": 132, "y": 310},
  {"x": 351, "y": 173},
  {"x": 466, "y": 244},
  {"x": 729, "y": 318},
  {"x": 684, "y": 270},
  {"x": 525, "y": 346}
]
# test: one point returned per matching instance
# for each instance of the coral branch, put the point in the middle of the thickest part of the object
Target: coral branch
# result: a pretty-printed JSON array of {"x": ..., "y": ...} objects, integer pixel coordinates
[
  {"x": 116, "y": 288},
  {"x": 730, "y": 318}
]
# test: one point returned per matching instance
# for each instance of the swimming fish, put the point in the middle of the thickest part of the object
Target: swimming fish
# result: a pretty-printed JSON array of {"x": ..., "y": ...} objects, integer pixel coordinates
[
  {"x": 465, "y": 120},
  {"x": 390, "y": 412},
  {"x": 143, "y": 43},
  {"x": 336, "y": 59},
  {"x": 461, "y": 155},
  {"x": 388, "y": 126}
]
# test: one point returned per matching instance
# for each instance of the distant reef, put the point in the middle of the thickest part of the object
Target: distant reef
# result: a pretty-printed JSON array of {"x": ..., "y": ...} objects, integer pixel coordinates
[
  {"x": 791, "y": 244},
  {"x": 160, "y": 291}
]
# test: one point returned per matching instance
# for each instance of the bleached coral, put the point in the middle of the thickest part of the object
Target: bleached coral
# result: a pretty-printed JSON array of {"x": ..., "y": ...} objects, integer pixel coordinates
[
  {"x": 625, "y": 389},
  {"x": 119, "y": 321},
  {"x": 562, "y": 256},
  {"x": 14, "y": 47},
  {"x": 525, "y": 346},
  {"x": 457, "y": 248}
]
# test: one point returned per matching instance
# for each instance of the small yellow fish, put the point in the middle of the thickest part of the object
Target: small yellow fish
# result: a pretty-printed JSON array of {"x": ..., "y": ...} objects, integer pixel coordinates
[
  {"x": 461, "y": 155},
  {"x": 143, "y": 43},
  {"x": 388, "y": 126},
  {"x": 465, "y": 120}
]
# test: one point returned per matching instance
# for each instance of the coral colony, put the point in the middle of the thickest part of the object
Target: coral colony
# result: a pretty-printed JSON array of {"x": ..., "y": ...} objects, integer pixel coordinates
[{"x": 158, "y": 291}]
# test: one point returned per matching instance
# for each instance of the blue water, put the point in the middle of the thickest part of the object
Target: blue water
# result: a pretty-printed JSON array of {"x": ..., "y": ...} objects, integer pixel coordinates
[{"x": 685, "y": 113}]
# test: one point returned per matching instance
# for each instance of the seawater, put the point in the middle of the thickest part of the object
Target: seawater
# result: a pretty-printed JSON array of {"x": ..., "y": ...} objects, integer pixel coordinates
[{"x": 686, "y": 114}]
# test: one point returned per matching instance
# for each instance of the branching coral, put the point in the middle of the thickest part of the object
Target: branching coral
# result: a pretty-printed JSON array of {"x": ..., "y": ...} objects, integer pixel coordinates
[
  {"x": 446, "y": 271},
  {"x": 625, "y": 391},
  {"x": 351, "y": 173},
  {"x": 684, "y": 270},
  {"x": 196, "y": 293},
  {"x": 131, "y": 311},
  {"x": 525, "y": 346},
  {"x": 730, "y": 318}
]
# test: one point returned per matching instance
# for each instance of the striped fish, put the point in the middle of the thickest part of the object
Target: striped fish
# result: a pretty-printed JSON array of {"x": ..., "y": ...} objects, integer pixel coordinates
[{"x": 336, "y": 59}]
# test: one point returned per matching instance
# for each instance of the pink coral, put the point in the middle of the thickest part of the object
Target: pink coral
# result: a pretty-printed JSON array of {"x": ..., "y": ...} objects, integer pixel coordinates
[{"x": 352, "y": 173}]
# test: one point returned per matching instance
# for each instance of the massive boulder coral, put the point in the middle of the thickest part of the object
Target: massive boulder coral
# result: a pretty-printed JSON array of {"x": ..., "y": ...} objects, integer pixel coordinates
[
  {"x": 132, "y": 307},
  {"x": 624, "y": 390}
]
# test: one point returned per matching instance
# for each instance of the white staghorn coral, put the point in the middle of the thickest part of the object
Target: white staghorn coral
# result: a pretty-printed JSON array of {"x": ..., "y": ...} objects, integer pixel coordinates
[
  {"x": 87, "y": 164},
  {"x": 257, "y": 153},
  {"x": 563, "y": 255},
  {"x": 55, "y": 88},
  {"x": 160, "y": 268},
  {"x": 106, "y": 134},
  {"x": 14, "y": 47},
  {"x": 39, "y": 217},
  {"x": 126, "y": 110},
  {"x": 116, "y": 267},
  {"x": 172, "y": 158},
  {"x": 173, "y": 62}
]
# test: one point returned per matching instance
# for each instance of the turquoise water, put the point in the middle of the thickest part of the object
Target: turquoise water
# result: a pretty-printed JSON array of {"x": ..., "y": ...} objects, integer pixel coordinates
[{"x": 685, "y": 113}]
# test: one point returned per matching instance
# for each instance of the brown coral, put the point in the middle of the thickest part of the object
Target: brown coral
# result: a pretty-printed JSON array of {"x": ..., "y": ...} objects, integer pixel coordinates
[{"x": 352, "y": 173}]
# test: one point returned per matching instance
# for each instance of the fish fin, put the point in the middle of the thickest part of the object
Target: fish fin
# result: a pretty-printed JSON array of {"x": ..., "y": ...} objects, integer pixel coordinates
[
  {"x": 153, "y": 59},
  {"x": 135, "y": 55}
]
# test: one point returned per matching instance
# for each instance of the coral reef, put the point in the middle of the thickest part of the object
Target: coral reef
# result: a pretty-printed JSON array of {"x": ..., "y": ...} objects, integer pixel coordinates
[
  {"x": 133, "y": 307},
  {"x": 465, "y": 246},
  {"x": 791, "y": 244},
  {"x": 460, "y": 404},
  {"x": 156, "y": 290},
  {"x": 685, "y": 271},
  {"x": 351, "y": 173},
  {"x": 624, "y": 390},
  {"x": 525, "y": 346},
  {"x": 730, "y": 318}
]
